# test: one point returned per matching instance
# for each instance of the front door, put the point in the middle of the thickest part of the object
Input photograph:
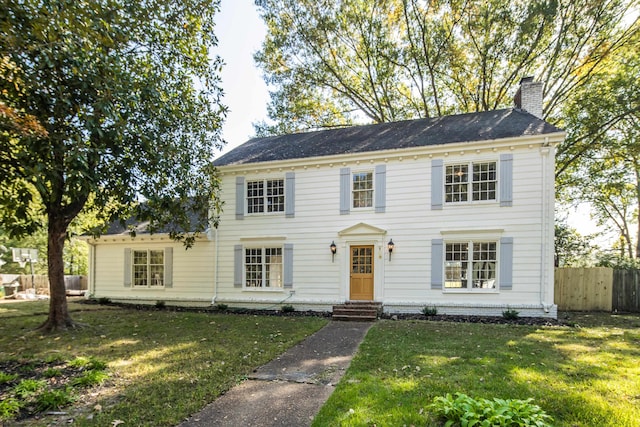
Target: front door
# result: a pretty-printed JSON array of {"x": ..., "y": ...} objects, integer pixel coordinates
[{"x": 361, "y": 273}]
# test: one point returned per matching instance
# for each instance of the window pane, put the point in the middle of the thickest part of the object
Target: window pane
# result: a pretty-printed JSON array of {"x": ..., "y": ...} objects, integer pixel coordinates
[
  {"x": 363, "y": 190},
  {"x": 275, "y": 195},
  {"x": 253, "y": 267},
  {"x": 273, "y": 267},
  {"x": 484, "y": 181},
  {"x": 255, "y": 196},
  {"x": 484, "y": 265},
  {"x": 456, "y": 187},
  {"x": 456, "y": 257}
]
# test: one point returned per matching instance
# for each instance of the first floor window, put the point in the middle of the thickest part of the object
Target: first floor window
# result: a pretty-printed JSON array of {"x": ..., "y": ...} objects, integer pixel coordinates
[
  {"x": 470, "y": 265},
  {"x": 148, "y": 268},
  {"x": 263, "y": 267}
]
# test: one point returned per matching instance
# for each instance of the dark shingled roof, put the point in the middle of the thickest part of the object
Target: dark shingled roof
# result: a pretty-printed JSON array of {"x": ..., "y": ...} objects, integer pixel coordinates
[
  {"x": 482, "y": 126},
  {"x": 142, "y": 227}
]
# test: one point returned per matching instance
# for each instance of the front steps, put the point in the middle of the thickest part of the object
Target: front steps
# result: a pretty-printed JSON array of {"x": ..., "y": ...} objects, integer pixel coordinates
[{"x": 359, "y": 311}]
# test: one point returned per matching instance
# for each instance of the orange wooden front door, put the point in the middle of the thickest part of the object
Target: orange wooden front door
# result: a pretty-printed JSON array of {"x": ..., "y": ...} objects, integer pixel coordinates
[{"x": 361, "y": 273}]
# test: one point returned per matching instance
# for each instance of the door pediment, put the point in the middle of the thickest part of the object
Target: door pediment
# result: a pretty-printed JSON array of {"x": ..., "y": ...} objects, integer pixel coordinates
[{"x": 362, "y": 229}]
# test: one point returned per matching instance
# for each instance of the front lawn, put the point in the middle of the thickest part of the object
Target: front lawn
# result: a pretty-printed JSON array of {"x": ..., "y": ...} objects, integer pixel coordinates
[
  {"x": 161, "y": 365},
  {"x": 582, "y": 375}
]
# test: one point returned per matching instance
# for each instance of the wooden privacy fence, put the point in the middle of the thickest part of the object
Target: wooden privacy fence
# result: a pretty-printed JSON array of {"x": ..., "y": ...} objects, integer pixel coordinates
[
  {"x": 597, "y": 289},
  {"x": 41, "y": 282}
]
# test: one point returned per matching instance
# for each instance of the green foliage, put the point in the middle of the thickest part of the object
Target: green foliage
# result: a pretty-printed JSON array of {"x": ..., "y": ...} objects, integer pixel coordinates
[
  {"x": 126, "y": 100},
  {"x": 9, "y": 408},
  {"x": 89, "y": 363},
  {"x": 429, "y": 311},
  {"x": 332, "y": 63},
  {"x": 51, "y": 372},
  {"x": 54, "y": 399},
  {"x": 571, "y": 249},
  {"x": 28, "y": 388},
  {"x": 90, "y": 378},
  {"x": 221, "y": 307},
  {"x": 288, "y": 308},
  {"x": 7, "y": 378},
  {"x": 510, "y": 314},
  {"x": 104, "y": 301},
  {"x": 463, "y": 410},
  {"x": 161, "y": 305}
]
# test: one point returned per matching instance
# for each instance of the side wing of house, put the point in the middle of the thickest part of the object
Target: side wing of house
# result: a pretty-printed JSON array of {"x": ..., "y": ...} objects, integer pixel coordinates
[
  {"x": 148, "y": 269},
  {"x": 471, "y": 224}
]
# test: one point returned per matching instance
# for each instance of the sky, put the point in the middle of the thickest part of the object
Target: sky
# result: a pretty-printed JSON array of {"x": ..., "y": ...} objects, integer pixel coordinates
[{"x": 240, "y": 34}]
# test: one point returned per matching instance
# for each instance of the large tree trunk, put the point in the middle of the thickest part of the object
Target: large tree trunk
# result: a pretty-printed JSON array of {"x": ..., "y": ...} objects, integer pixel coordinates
[{"x": 58, "y": 311}]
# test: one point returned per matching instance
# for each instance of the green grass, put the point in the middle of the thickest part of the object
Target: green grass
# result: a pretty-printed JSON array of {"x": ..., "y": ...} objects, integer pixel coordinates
[
  {"x": 164, "y": 365},
  {"x": 587, "y": 375}
]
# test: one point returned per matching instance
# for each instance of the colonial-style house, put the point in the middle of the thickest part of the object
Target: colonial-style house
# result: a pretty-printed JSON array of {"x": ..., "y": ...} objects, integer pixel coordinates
[{"x": 454, "y": 213}]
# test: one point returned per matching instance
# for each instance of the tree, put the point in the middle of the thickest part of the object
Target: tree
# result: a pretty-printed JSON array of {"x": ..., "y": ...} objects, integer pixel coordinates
[
  {"x": 604, "y": 122},
  {"x": 571, "y": 249},
  {"x": 390, "y": 60},
  {"x": 129, "y": 101}
]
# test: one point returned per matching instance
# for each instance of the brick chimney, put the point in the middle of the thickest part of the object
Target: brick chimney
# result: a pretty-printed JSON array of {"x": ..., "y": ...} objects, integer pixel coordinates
[{"x": 529, "y": 97}]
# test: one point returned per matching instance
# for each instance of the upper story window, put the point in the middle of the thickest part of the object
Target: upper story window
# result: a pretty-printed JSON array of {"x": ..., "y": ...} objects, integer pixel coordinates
[
  {"x": 148, "y": 268},
  {"x": 474, "y": 181},
  {"x": 470, "y": 265},
  {"x": 265, "y": 196},
  {"x": 362, "y": 189}
]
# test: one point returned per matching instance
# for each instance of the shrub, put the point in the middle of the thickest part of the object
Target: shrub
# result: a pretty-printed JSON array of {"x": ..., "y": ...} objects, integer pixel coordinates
[
  {"x": 88, "y": 363},
  {"x": 7, "y": 378},
  {"x": 28, "y": 388},
  {"x": 9, "y": 408},
  {"x": 288, "y": 308},
  {"x": 429, "y": 311},
  {"x": 160, "y": 305},
  {"x": 104, "y": 301},
  {"x": 54, "y": 399},
  {"x": 466, "y": 411},
  {"x": 51, "y": 372},
  {"x": 221, "y": 307},
  {"x": 510, "y": 314},
  {"x": 90, "y": 378}
]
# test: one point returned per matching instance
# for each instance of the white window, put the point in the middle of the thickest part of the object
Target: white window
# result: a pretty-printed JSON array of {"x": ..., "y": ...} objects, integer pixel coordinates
[
  {"x": 265, "y": 196},
  {"x": 470, "y": 265},
  {"x": 263, "y": 267},
  {"x": 474, "y": 181},
  {"x": 148, "y": 268},
  {"x": 362, "y": 189}
]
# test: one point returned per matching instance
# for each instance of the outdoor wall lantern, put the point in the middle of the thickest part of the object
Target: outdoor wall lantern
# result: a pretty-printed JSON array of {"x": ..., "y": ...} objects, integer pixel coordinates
[
  {"x": 334, "y": 249},
  {"x": 390, "y": 247}
]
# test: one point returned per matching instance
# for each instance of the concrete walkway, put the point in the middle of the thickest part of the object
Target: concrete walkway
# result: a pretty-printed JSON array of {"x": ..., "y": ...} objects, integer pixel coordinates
[{"x": 291, "y": 389}]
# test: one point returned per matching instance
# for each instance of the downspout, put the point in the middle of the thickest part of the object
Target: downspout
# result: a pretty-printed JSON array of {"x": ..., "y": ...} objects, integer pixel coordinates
[
  {"x": 92, "y": 270},
  {"x": 544, "y": 273},
  {"x": 216, "y": 266}
]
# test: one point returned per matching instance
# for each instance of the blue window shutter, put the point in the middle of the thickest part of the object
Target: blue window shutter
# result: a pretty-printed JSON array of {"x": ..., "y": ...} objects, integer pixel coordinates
[
  {"x": 240, "y": 197},
  {"x": 506, "y": 179},
  {"x": 168, "y": 267},
  {"x": 127, "y": 268},
  {"x": 288, "y": 266},
  {"x": 237, "y": 266},
  {"x": 437, "y": 264},
  {"x": 381, "y": 188},
  {"x": 290, "y": 194},
  {"x": 437, "y": 184},
  {"x": 345, "y": 190},
  {"x": 506, "y": 263}
]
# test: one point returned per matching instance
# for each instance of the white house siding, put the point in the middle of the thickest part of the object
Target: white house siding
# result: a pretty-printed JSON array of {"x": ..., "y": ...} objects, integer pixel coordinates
[
  {"x": 192, "y": 270},
  {"x": 404, "y": 283}
]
